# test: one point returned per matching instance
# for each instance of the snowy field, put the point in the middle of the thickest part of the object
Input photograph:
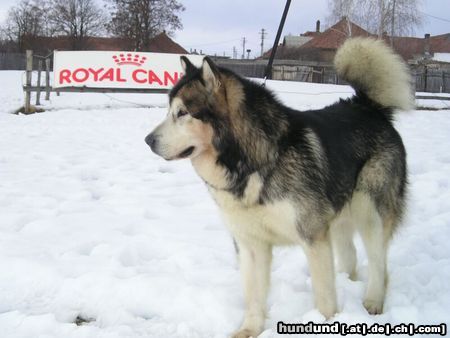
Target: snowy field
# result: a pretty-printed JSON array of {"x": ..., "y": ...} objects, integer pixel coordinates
[{"x": 96, "y": 227}]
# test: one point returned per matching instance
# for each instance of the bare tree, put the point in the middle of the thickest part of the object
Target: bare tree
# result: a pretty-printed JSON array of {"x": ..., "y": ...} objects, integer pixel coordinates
[
  {"x": 140, "y": 20},
  {"x": 403, "y": 17},
  {"x": 25, "y": 20},
  {"x": 339, "y": 9},
  {"x": 77, "y": 19},
  {"x": 396, "y": 17}
]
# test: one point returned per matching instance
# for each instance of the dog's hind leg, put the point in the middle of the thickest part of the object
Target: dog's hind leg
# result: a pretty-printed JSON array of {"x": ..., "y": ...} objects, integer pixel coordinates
[
  {"x": 320, "y": 258},
  {"x": 255, "y": 260},
  {"x": 342, "y": 238},
  {"x": 370, "y": 226}
]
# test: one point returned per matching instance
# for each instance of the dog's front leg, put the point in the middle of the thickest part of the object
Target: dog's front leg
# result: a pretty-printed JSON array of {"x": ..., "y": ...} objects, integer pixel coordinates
[
  {"x": 320, "y": 258},
  {"x": 255, "y": 259}
]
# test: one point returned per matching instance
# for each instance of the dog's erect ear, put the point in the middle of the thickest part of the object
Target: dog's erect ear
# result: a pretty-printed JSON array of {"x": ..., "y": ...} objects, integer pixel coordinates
[
  {"x": 210, "y": 74},
  {"x": 187, "y": 66}
]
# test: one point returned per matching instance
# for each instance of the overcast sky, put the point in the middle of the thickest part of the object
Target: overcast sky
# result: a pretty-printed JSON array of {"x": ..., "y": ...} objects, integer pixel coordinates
[{"x": 215, "y": 26}]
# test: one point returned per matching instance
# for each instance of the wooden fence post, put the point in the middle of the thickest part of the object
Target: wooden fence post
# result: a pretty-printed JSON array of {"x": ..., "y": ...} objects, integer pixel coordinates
[
  {"x": 47, "y": 79},
  {"x": 426, "y": 79},
  {"x": 29, "y": 70},
  {"x": 446, "y": 89},
  {"x": 38, "y": 89}
]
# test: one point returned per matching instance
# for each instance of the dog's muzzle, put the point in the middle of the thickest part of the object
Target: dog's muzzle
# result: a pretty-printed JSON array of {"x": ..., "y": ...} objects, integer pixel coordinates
[{"x": 152, "y": 142}]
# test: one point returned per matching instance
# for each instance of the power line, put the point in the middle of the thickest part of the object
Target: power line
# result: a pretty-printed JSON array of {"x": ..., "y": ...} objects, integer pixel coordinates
[
  {"x": 212, "y": 43},
  {"x": 435, "y": 17}
]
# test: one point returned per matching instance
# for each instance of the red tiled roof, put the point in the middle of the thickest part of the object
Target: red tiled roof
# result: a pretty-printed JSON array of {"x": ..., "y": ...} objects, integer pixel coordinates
[
  {"x": 335, "y": 36},
  {"x": 161, "y": 43},
  {"x": 442, "y": 36},
  {"x": 409, "y": 47},
  {"x": 332, "y": 38},
  {"x": 290, "y": 53},
  {"x": 440, "y": 43},
  {"x": 310, "y": 33},
  {"x": 100, "y": 43}
]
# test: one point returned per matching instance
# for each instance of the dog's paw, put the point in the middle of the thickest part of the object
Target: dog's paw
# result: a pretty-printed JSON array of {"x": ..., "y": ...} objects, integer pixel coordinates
[
  {"x": 327, "y": 307},
  {"x": 353, "y": 275},
  {"x": 328, "y": 313},
  {"x": 374, "y": 307},
  {"x": 245, "y": 333}
]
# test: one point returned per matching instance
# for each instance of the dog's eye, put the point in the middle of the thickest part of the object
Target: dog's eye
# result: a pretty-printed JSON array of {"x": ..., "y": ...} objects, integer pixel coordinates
[{"x": 181, "y": 113}]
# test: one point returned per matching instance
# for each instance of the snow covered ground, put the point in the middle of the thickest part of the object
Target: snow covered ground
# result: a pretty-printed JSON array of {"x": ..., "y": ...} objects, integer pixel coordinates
[{"x": 95, "y": 226}]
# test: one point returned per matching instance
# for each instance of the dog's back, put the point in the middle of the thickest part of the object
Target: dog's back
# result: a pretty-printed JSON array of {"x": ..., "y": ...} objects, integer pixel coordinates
[{"x": 348, "y": 147}]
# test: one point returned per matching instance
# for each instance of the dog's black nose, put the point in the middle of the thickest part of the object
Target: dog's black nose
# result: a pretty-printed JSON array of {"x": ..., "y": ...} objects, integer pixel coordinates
[{"x": 151, "y": 140}]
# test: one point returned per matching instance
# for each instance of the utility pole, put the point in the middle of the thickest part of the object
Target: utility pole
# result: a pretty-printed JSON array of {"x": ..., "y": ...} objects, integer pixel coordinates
[
  {"x": 268, "y": 72},
  {"x": 234, "y": 52},
  {"x": 263, "y": 36},
  {"x": 243, "y": 47}
]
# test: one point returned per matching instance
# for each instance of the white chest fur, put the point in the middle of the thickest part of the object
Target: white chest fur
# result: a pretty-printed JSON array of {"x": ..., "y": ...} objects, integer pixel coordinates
[{"x": 274, "y": 223}]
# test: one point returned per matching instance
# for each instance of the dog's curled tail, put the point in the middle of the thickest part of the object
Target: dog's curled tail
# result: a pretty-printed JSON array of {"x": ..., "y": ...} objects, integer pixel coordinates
[{"x": 371, "y": 67}]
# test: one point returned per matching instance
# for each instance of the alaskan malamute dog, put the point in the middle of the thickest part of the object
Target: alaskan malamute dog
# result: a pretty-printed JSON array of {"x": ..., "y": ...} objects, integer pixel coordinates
[{"x": 285, "y": 177}]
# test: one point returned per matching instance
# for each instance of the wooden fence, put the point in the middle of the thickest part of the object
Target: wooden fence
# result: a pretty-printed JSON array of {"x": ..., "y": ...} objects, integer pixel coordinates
[
  {"x": 12, "y": 61},
  {"x": 247, "y": 68},
  {"x": 41, "y": 62},
  {"x": 427, "y": 79},
  {"x": 432, "y": 80}
]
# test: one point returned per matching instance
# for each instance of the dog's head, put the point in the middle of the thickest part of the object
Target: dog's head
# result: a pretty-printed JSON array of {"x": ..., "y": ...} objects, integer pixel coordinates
[{"x": 195, "y": 101}]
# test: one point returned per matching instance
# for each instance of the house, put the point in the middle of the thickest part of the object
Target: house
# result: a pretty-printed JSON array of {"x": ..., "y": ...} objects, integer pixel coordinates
[
  {"x": 322, "y": 46},
  {"x": 160, "y": 43},
  {"x": 325, "y": 44},
  {"x": 309, "y": 57},
  {"x": 295, "y": 40},
  {"x": 319, "y": 46},
  {"x": 414, "y": 50}
]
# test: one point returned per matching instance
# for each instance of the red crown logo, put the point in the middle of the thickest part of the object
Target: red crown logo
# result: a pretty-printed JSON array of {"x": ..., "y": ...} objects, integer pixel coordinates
[{"x": 129, "y": 59}]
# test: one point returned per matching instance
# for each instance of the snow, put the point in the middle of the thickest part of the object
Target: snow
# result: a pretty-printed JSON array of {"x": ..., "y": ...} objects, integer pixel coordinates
[
  {"x": 442, "y": 57},
  {"x": 95, "y": 226},
  {"x": 442, "y": 103}
]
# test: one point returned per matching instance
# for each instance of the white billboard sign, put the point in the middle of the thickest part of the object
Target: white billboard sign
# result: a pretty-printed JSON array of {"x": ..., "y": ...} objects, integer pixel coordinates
[{"x": 101, "y": 69}]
